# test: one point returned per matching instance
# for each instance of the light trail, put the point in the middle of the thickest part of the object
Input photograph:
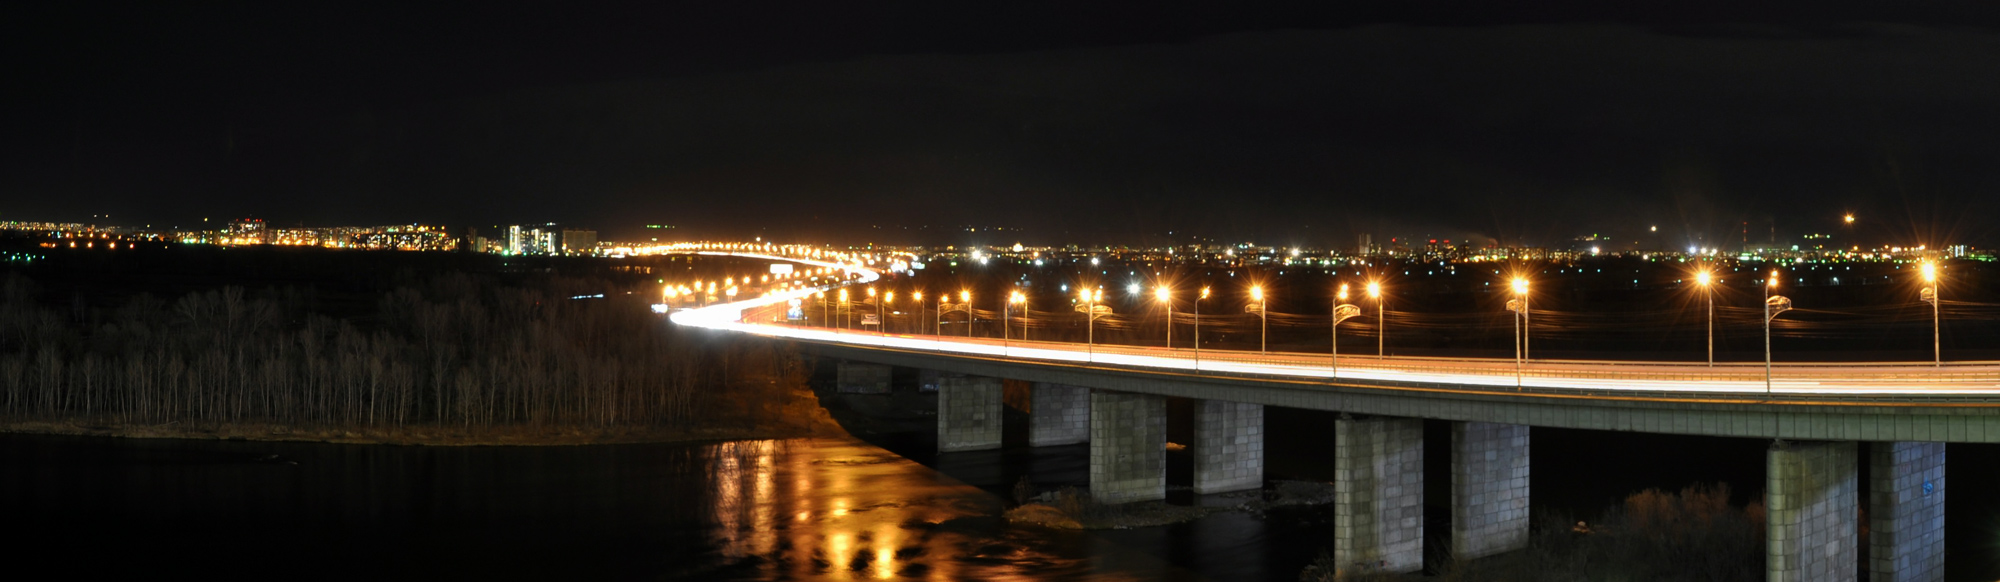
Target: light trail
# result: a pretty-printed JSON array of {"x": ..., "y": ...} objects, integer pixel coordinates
[{"x": 1494, "y": 374}]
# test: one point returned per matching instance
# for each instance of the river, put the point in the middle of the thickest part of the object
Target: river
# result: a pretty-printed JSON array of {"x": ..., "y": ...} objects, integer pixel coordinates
[{"x": 746, "y": 510}]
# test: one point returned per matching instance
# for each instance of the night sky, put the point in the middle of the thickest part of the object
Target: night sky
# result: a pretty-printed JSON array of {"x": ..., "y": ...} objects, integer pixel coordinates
[{"x": 868, "y": 121}]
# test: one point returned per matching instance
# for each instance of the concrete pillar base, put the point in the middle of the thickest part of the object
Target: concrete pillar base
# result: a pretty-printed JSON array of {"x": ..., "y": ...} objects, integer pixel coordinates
[
  {"x": 1489, "y": 488},
  {"x": 1810, "y": 495},
  {"x": 1906, "y": 512},
  {"x": 1128, "y": 447},
  {"x": 1228, "y": 446},
  {"x": 968, "y": 413},
  {"x": 1058, "y": 415},
  {"x": 1378, "y": 495}
]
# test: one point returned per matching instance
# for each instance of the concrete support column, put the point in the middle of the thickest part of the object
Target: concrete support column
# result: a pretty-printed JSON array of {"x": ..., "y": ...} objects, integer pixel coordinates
[
  {"x": 1058, "y": 415},
  {"x": 1489, "y": 488},
  {"x": 859, "y": 378},
  {"x": 1228, "y": 446},
  {"x": 1128, "y": 447},
  {"x": 1378, "y": 494},
  {"x": 1906, "y": 512},
  {"x": 1810, "y": 494},
  {"x": 968, "y": 413}
]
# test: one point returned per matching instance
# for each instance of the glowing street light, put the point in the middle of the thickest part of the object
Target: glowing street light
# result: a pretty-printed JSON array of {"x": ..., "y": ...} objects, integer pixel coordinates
[
  {"x": 1091, "y": 311},
  {"x": 1519, "y": 305},
  {"x": 1381, "y": 324},
  {"x": 965, "y": 301},
  {"x": 888, "y": 306},
  {"x": 1704, "y": 278},
  {"x": 1341, "y": 312},
  {"x": 1773, "y": 305},
  {"x": 1930, "y": 295},
  {"x": 1197, "y": 328},
  {"x": 1166, "y": 297},
  {"x": 917, "y": 297},
  {"x": 1263, "y": 318},
  {"x": 1005, "y": 317},
  {"x": 845, "y": 311}
]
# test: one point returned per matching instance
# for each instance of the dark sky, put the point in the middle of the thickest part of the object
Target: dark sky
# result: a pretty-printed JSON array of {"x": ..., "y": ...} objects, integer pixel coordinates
[{"x": 1530, "y": 122}]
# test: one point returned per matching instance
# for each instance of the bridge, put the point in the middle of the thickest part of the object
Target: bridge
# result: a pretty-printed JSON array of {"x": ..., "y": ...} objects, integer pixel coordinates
[{"x": 1820, "y": 418}]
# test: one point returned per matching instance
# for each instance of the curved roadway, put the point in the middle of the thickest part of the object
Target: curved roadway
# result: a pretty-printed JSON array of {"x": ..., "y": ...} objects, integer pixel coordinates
[{"x": 1875, "y": 381}]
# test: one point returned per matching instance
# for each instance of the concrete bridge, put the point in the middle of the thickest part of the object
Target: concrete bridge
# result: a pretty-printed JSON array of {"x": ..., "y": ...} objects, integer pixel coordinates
[{"x": 1820, "y": 419}]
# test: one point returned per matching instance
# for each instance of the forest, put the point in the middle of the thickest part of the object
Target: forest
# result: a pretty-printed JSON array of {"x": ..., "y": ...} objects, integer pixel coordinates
[{"x": 458, "y": 352}]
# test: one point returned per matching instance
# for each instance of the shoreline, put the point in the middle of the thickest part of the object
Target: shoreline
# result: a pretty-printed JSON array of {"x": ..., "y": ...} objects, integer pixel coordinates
[{"x": 414, "y": 436}]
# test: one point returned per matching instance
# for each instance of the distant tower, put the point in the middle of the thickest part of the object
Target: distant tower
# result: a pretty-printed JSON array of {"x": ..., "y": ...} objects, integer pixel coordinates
[{"x": 1366, "y": 242}]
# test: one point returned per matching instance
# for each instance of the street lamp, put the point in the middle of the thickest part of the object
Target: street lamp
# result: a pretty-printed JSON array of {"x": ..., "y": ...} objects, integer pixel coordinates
[
  {"x": 1006, "y": 317},
  {"x": 1197, "y": 328},
  {"x": 1703, "y": 278},
  {"x": 1090, "y": 310},
  {"x": 1166, "y": 297},
  {"x": 1519, "y": 305},
  {"x": 845, "y": 311},
  {"x": 1773, "y": 305},
  {"x": 878, "y": 311},
  {"x": 1930, "y": 295},
  {"x": 889, "y": 309},
  {"x": 1341, "y": 311},
  {"x": 917, "y": 297},
  {"x": 1264, "y": 321},
  {"x": 965, "y": 301},
  {"x": 1381, "y": 324}
]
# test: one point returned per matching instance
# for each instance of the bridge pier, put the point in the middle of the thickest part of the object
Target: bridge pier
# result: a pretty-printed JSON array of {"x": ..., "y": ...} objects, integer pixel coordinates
[
  {"x": 1058, "y": 415},
  {"x": 1489, "y": 488},
  {"x": 1378, "y": 494},
  {"x": 1128, "y": 447},
  {"x": 860, "y": 378},
  {"x": 1228, "y": 446},
  {"x": 1810, "y": 496},
  {"x": 968, "y": 413},
  {"x": 1906, "y": 511}
]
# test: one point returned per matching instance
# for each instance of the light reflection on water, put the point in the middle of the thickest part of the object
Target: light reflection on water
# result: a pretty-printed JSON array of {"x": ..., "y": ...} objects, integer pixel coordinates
[
  {"x": 821, "y": 509},
  {"x": 859, "y": 513}
]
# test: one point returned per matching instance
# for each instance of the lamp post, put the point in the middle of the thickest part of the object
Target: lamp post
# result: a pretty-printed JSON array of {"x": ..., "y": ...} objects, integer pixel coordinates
[
  {"x": 1090, "y": 310},
  {"x": 1263, "y": 318},
  {"x": 845, "y": 311},
  {"x": 1519, "y": 305},
  {"x": 1773, "y": 305},
  {"x": 1381, "y": 323},
  {"x": 1341, "y": 311},
  {"x": 965, "y": 301},
  {"x": 878, "y": 311},
  {"x": 888, "y": 308},
  {"x": 917, "y": 297},
  {"x": 1166, "y": 297},
  {"x": 1930, "y": 295},
  {"x": 944, "y": 301},
  {"x": 1197, "y": 328},
  {"x": 1022, "y": 299},
  {"x": 1703, "y": 278},
  {"x": 1006, "y": 317}
]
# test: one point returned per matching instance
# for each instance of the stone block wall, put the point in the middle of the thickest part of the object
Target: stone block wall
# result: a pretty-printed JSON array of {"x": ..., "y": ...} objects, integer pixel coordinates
[
  {"x": 1228, "y": 446},
  {"x": 1489, "y": 488},
  {"x": 1378, "y": 495},
  {"x": 1906, "y": 512},
  {"x": 969, "y": 416},
  {"x": 1812, "y": 532},
  {"x": 1058, "y": 415},
  {"x": 1128, "y": 447}
]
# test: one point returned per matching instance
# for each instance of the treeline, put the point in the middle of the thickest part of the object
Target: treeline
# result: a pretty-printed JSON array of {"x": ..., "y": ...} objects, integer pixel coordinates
[{"x": 458, "y": 350}]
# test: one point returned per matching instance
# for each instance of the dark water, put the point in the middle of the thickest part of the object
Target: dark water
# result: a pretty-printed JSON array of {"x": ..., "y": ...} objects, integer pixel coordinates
[{"x": 758, "y": 510}]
